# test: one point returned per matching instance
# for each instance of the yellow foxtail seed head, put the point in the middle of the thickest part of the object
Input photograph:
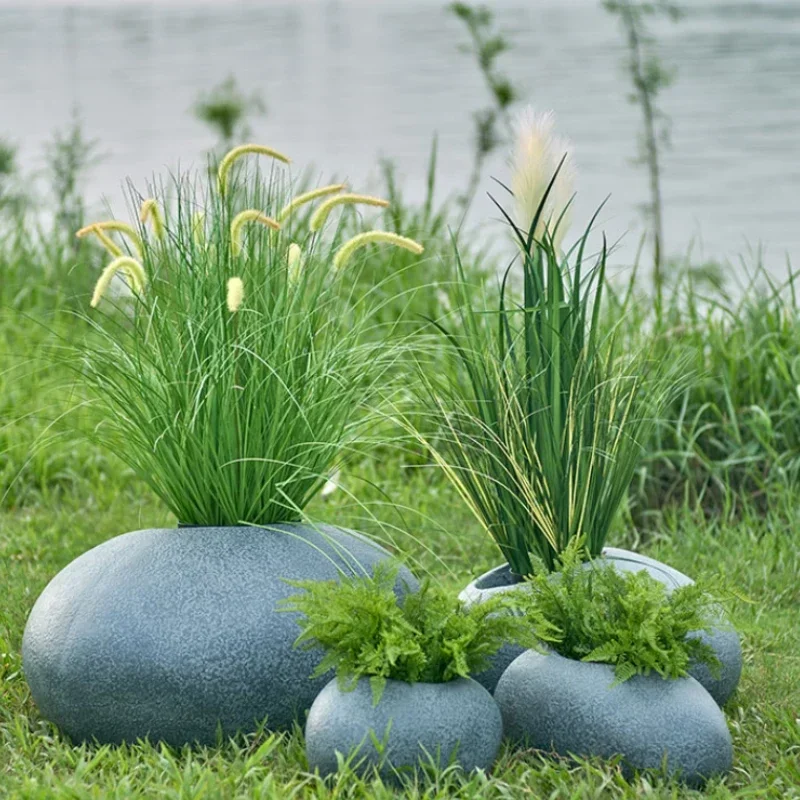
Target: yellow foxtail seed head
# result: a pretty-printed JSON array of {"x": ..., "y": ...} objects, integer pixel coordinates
[
  {"x": 346, "y": 251},
  {"x": 133, "y": 271},
  {"x": 106, "y": 241},
  {"x": 321, "y": 214},
  {"x": 309, "y": 197},
  {"x": 294, "y": 262},
  {"x": 150, "y": 210},
  {"x": 235, "y": 294},
  {"x": 199, "y": 228},
  {"x": 243, "y": 150},
  {"x": 537, "y": 155},
  {"x": 113, "y": 225},
  {"x": 241, "y": 219}
]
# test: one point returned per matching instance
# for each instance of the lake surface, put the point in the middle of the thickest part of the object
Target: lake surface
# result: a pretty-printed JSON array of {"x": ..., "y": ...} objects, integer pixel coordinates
[{"x": 348, "y": 81}]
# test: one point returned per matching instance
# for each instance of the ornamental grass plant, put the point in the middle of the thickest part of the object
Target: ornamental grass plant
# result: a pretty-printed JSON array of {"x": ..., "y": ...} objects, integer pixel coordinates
[
  {"x": 231, "y": 366},
  {"x": 542, "y": 417}
]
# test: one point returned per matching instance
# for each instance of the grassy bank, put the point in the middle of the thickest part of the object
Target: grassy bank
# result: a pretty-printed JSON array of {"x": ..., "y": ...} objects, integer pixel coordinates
[{"x": 716, "y": 496}]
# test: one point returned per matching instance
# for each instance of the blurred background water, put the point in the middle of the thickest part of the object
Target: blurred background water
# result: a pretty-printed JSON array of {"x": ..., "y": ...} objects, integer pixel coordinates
[{"x": 349, "y": 81}]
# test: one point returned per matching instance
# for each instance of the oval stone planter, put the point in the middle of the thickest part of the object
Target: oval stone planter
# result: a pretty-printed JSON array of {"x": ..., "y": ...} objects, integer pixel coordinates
[
  {"x": 571, "y": 708},
  {"x": 723, "y": 639},
  {"x": 413, "y": 723},
  {"x": 175, "y": 634}
]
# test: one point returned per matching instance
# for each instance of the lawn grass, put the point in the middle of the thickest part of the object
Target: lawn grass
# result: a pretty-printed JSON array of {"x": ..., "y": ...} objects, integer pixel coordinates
[{"x": 758, "y": 554}]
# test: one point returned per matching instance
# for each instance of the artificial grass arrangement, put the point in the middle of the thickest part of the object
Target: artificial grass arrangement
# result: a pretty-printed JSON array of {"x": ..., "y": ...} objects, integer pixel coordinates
[
  {"x": 542, "y": 418},
  {"x": 389, "y": 651},
  {"x": 236, "y": 371},
  {"x": 235, "y": 368},
  {"x": 232, "y": 374}
]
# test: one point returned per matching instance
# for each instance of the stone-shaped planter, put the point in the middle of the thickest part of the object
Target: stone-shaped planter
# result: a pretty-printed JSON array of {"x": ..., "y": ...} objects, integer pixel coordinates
[
  {"x": 722, "y": 638},
  {"x": 572, "y": 708},
  {"x": 172, "y": 634},
  {"x": 414, "y": 724}
]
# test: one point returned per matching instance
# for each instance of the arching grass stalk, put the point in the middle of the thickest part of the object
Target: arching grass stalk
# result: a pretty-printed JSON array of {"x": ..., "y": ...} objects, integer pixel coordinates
[
  {"x": 541, "y": 418},
  {"x": 235, "y": 381}
]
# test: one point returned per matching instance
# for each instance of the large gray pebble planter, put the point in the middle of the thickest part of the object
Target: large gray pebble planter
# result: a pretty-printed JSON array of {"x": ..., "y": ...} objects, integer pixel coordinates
[
  {"x": 415, "y": 724},
  {"x": 723, "y": 639},
  {"x": 174, "y": 634},
  {"x": 571, "y": 708}
]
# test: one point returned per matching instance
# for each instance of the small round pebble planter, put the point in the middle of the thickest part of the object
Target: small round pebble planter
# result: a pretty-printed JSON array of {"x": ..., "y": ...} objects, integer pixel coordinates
[
  {"x": 723, "y": 639},
  {"x": 414, "y": 723},
  {"x": 174, "y": 634},
  {"x": 572, "y": 708}
]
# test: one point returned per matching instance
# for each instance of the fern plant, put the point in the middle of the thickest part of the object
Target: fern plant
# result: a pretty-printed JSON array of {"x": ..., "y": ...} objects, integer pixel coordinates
[
  {"x": 628, "y": 620},
  {"x": 429, "y": 636}
]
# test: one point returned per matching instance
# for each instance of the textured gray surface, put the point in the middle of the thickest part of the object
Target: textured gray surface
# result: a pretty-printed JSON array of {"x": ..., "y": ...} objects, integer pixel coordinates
[
  {"x": 168, "y": 634},
  {"x": 723, "y": 638},
  {"x": 569, "y": 707},
  {"x": 458, "y": 720}
]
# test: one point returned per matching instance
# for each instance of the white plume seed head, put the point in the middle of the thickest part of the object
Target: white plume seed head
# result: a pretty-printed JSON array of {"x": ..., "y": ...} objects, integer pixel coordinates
[{"x": 537, "y": 155}]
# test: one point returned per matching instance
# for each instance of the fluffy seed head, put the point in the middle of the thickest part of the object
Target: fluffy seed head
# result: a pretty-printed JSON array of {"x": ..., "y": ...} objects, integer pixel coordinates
[
  {"x": 235, "y": 294},
  {"x": 113, "y": 225},
  {"x": 345, "y": 252},
  {"x": 150, "y": 210},
  {"x": 131, "y": 268},
  {"x": 106, "y": 241},
  {"x": 294, "y": 262},
  {"x": 243, "y": 150},
  {"x": 321, "y": 214},
  {"x": 538, "y": 153},
  {"x": 241, "y": 219},
  {"x": 309, "y": 197}
]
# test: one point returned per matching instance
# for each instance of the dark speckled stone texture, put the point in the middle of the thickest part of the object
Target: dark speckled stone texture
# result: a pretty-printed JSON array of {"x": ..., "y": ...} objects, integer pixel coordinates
[
  {"x": 723, "y": 638},
  {"x": 459, "y": 719},
  {"x": 570, "y": 707},
  {"x": 170, "y": 634}
]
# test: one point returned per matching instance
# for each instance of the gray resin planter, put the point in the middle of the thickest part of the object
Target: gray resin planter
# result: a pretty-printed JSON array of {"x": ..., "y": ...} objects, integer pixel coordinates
[
  {"x": 414, "y": 724},
  {"x": 723, "y": 638},
  {"x": 175, "y": 634},
  {"x": 571, "y": 708}
]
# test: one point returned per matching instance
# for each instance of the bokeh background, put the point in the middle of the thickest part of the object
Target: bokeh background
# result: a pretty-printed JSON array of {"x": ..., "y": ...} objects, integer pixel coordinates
[{"x": 346, "y": 82}]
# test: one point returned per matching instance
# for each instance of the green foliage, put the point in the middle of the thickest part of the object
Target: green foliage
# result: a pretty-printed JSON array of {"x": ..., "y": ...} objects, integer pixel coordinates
[
  {"x": 233, "y": 416},
  {"x": 368, "y": 629},
  {"x": 542, "y": 418},
  {"x": 411, "y": 290},
  {"x": 41, "y": 269},
  {"x": 649, "y": 77},
  {"x": 8, "y": 154},
  {"x": 226, "y": 110},
  {"x": 486, "y": 45},
  {"x": 734, "y": 429},
  {"x": 69, "y": 157},
  {"x": 626, "y": 619},
  {"x": 9, "y": 198}
]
